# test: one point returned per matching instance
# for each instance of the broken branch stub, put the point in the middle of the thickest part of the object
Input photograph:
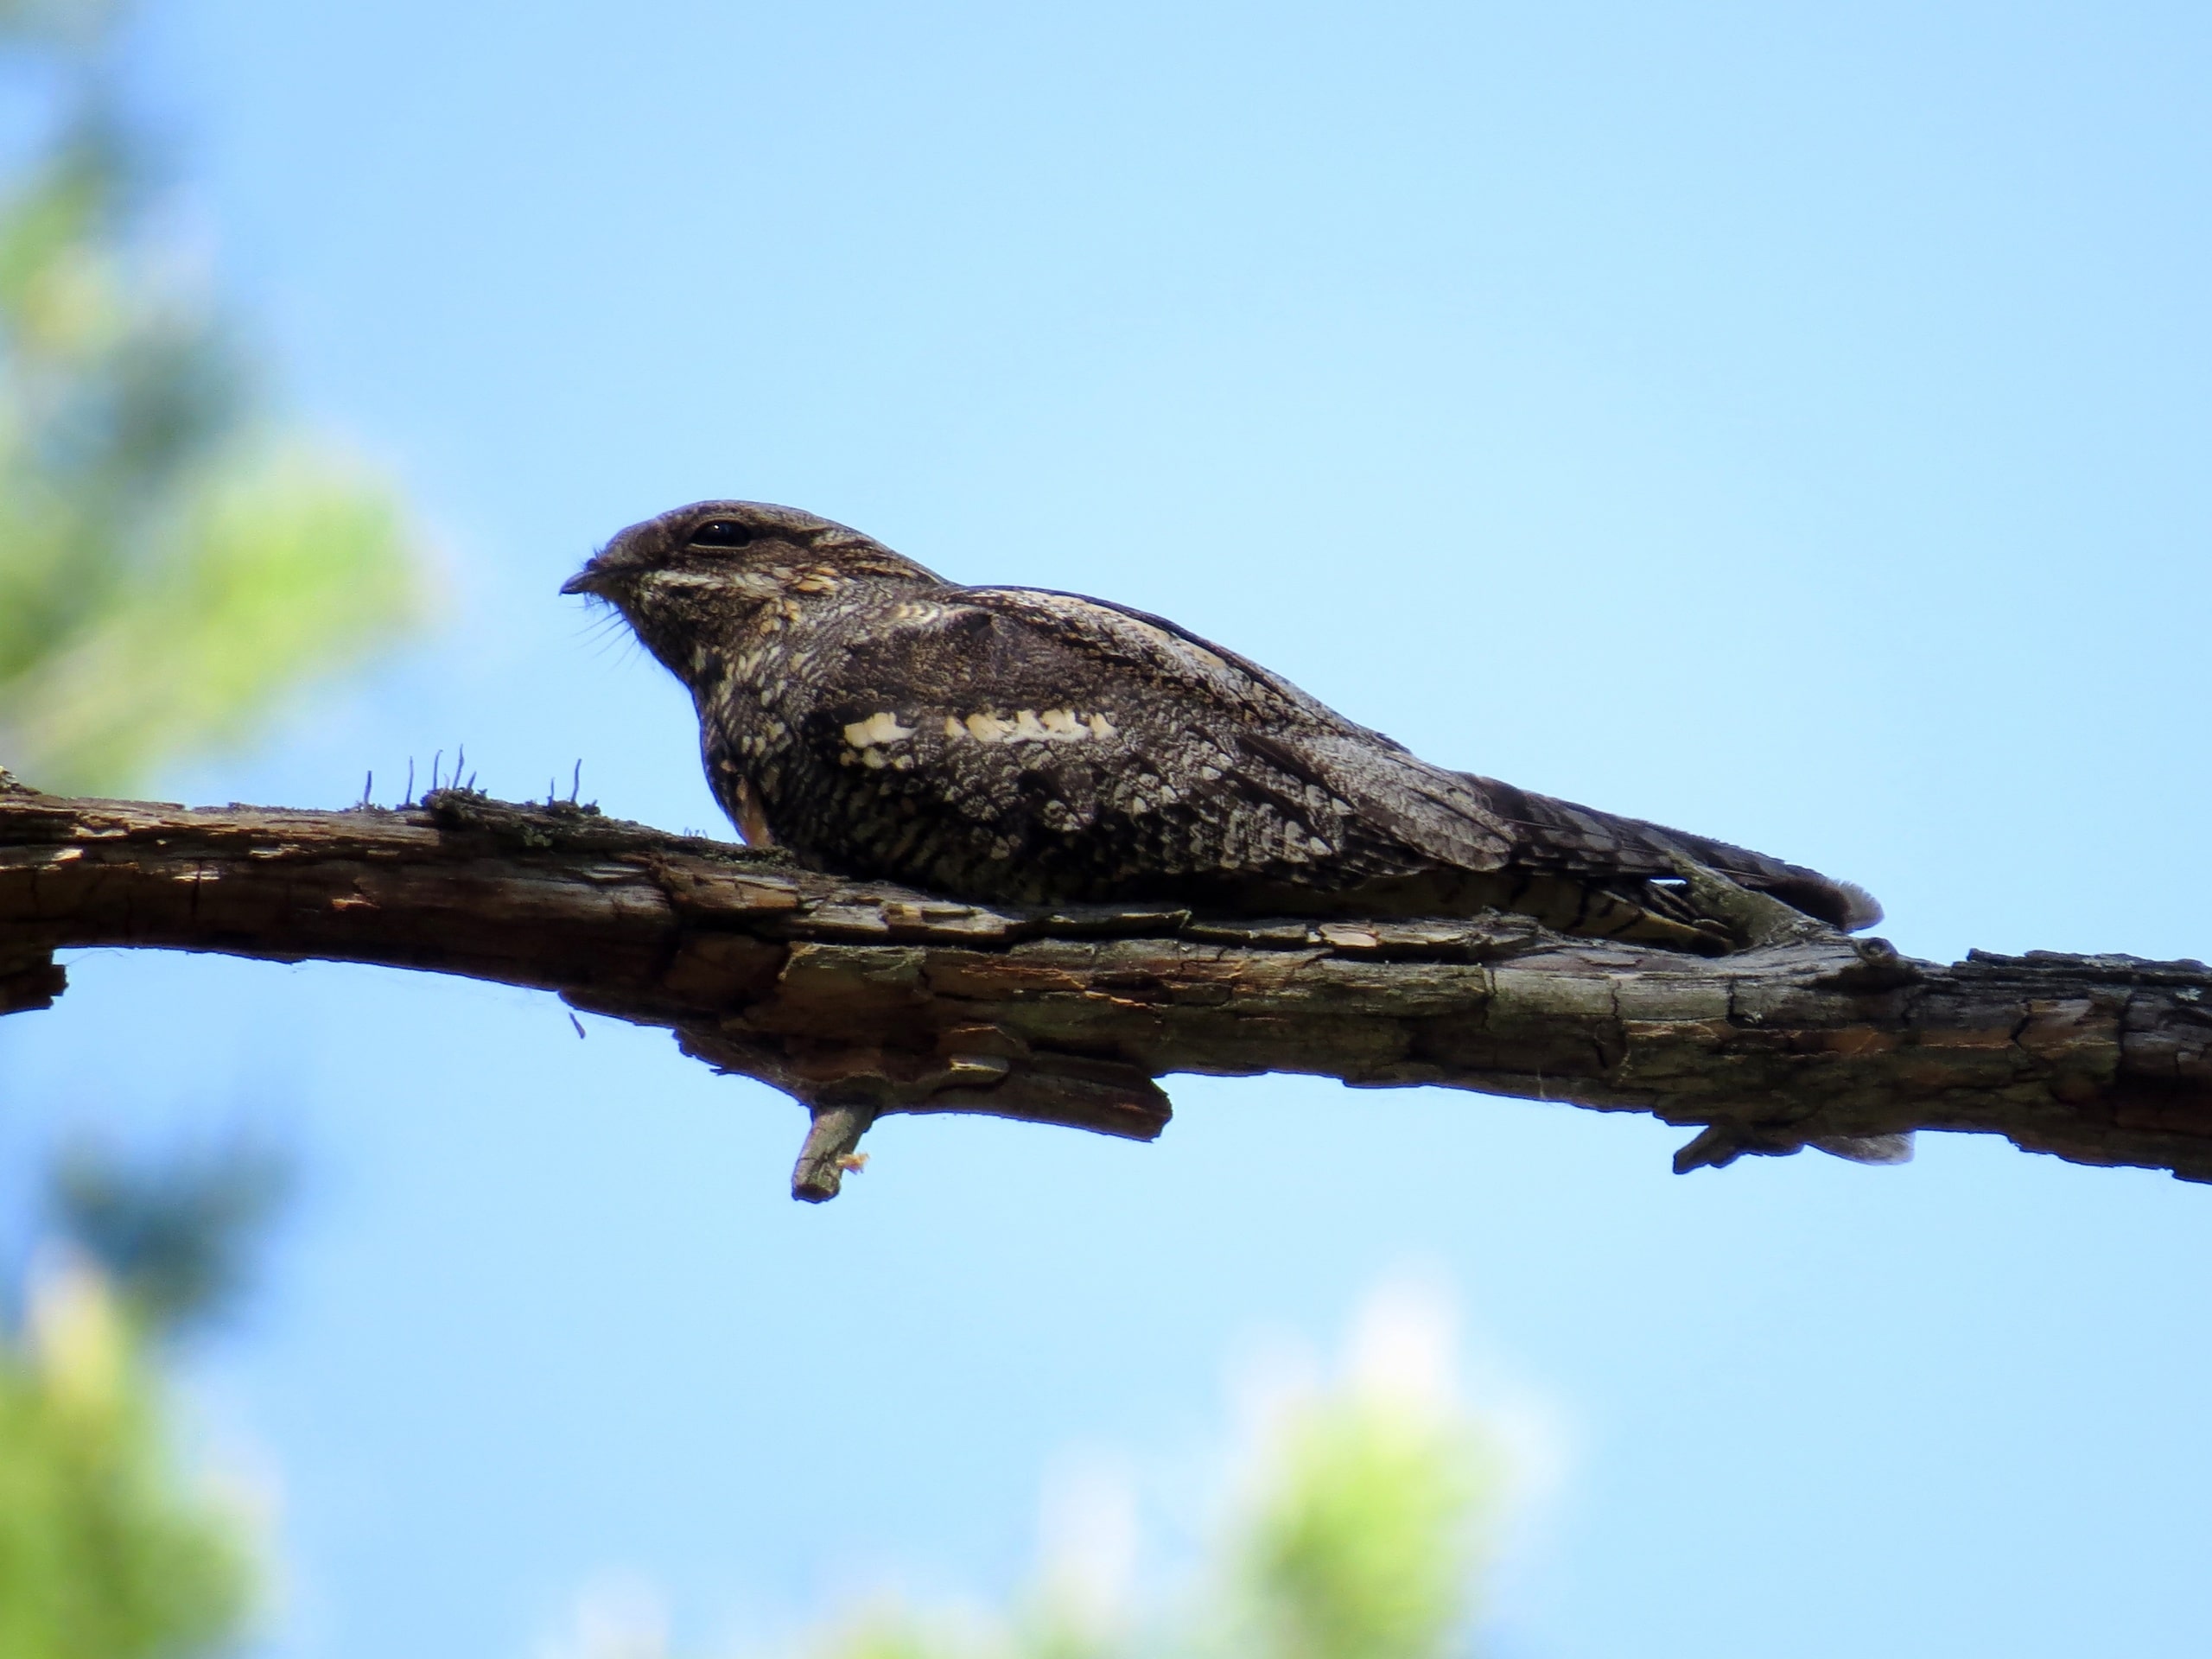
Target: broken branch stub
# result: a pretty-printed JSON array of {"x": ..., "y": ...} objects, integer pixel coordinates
[{"x": 860, "y": 999}]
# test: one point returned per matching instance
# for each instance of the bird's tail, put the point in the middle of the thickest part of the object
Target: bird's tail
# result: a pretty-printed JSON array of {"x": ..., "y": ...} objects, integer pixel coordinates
[
  {"x": 1576, "y": 839},
  {"x": 1842, "y": 905}
]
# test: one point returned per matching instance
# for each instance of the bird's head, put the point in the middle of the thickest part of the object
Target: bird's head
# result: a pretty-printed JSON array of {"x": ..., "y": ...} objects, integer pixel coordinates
[{"x": 690, "y": 572}]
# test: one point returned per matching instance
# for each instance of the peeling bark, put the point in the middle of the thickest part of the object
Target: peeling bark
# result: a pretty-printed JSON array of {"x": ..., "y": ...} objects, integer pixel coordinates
[{"x": 860, "y": 999}]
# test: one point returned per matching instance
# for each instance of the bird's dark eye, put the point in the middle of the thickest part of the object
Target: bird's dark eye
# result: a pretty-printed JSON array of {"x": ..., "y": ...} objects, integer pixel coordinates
[{"x": 720, "y": 532}]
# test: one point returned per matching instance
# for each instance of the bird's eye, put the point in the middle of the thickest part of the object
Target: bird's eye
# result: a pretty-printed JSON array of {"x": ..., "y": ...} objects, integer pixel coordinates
[{"x": 720, "y": 532}]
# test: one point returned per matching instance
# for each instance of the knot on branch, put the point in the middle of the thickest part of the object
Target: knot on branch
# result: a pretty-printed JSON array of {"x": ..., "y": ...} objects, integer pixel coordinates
[
  {"x": 1719, "y": 1145},
  {"x": 982, "y": 1070},
  {"x": 29, "y": 981}
]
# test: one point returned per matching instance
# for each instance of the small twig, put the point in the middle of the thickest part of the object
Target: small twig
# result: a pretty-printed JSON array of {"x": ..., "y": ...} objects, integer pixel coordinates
[{"x": 828, "y": 1152}]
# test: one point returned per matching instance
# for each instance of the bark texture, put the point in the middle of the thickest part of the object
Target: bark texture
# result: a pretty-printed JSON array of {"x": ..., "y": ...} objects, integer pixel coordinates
[{"x": 860, "y": 999}]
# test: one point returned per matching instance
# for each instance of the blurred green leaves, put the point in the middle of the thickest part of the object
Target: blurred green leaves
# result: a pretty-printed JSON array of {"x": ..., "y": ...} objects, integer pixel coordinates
[
  {"x": 273, "y": 568},
  {"x": 172, "y": 564},
  {"x": 1359, "y": 1547},
  {"x": 105, "y": 1552},
  {"x": 1355, "y": 1530}
]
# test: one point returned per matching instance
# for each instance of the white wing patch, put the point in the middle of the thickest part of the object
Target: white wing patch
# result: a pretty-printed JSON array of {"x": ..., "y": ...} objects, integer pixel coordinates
[
  {"x": 1029, "y": 726},
  {"x": 882, "y": 727}
]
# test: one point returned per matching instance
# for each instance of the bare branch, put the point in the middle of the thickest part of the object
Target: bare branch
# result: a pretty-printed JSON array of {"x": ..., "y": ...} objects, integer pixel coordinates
[{"x": 860, "y": 999}]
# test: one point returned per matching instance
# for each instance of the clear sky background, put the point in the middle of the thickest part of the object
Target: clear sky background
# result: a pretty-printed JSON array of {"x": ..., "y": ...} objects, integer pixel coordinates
[{"x": 1788, "y": 422}]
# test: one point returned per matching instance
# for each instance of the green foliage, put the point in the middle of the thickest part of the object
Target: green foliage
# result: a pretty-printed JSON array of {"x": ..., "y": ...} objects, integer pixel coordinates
[
  {"x": 1359, "y": 1547},
  {"x": 105, "y": 1553},
  {"x": 170, "y": 565},
  {"x": 897, "y": 1633},
  {"x": 1357, "y": 1537},
  {"x": 275, "y": 567}
]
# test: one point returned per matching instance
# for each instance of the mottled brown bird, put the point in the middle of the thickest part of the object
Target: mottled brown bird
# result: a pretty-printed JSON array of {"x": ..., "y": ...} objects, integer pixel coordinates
[{"x": 1016, "y": 744}]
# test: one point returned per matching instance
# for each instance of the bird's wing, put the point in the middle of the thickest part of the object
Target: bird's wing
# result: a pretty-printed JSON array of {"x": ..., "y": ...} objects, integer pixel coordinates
[
  {"x": 1269, "y": 731},
  {"x": 1152, "y": 648},
  {"x": 1086, "y": 748},
  {"x": 1582, "y": 839},
  {"x": 1426, "y": 805},
  {"x": 1039, "y": 648},
  {"x": 1454, "y": 818}
]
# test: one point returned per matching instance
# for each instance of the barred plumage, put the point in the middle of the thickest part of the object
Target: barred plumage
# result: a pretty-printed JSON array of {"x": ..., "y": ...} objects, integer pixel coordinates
[{"x": 1022, "y": 746}]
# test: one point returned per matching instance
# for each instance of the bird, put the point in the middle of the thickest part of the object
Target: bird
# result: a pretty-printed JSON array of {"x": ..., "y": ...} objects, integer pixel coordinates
[{"x": 1030, "y": 746}]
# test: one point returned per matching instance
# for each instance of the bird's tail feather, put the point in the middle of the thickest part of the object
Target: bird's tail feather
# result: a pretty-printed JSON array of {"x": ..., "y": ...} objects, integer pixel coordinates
[{"x": 1576, "y": 836}]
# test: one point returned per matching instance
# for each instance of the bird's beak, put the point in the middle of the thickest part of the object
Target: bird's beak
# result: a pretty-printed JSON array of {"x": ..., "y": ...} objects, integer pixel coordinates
[{"x": 586, "y": 580}]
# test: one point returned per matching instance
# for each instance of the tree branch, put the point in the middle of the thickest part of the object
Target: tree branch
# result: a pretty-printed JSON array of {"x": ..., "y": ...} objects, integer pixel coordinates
[{"x": 861, "y": 999}]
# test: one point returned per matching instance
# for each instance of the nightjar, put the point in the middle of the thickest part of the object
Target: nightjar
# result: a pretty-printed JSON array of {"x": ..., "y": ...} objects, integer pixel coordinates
[{"x": 1020, "y": 746}]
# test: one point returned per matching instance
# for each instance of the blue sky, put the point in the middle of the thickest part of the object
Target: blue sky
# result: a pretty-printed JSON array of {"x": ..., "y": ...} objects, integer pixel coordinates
[{"x": 1786, "y": 421}]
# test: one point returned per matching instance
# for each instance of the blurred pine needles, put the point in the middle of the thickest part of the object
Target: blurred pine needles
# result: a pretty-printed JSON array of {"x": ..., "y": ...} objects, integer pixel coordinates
[
  {"x": 107, "y": 1551},
  {"x": 1360, "y": 1547},
  {"x": 173, "y": 560},
  {"x": 173, "y": 563},
  {"x": 1356, "y": 1527},
  {"x": 1359, "y": 1535}
]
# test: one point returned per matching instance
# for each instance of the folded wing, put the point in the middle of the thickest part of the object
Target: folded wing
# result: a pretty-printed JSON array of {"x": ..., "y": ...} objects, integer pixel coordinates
[{"x": 1239, "y": 747}]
